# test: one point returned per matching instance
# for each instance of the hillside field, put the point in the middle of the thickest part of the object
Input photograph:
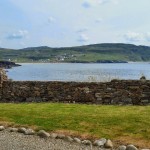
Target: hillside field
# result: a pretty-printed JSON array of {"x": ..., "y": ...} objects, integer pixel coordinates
[{"x": 85, "y": 54}]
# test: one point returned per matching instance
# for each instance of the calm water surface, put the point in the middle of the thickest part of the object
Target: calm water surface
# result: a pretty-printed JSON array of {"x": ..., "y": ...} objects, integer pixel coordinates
[{"x": 79, "y": 72}]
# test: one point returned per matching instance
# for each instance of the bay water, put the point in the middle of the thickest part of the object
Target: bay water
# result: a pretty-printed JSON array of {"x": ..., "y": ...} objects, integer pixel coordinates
[{"x": 79, "y": 72}]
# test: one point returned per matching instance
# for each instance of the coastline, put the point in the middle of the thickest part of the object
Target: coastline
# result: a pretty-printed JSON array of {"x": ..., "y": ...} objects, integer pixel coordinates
[
  {"x": 128, "y": 62},
  {"x": 8, "y": 64}
]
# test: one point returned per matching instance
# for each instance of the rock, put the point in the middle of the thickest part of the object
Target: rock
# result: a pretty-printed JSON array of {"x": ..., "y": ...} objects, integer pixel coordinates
[
  {"x": 86, "y": 90},
  {"x": 2, "y": 128},
  {"x": 43, "y": 134},
  {"x": 50, "y": 93},
  {"x": 145, "y": 87},
  {"x": 131, "y": 147},
  {"x": 145, "y": 101},
  {"x": 134, "y": 87},
  {"x": 99, "y": 99},
  {"x": 23, "y": 87},
  {"x": 127, "y": 100},
  {"x": 36, "y": 89},
  {"x": 22, "y": 130},
  {"x": 13, "y": 129},
  {"x": 60, "y": 136},
  {"x": 87, "y": 142},
  {"x": 68, "y": 138},
  {"x": 107, "y": 96},
  {"x": 100, "y": 142},
  {"x": 109, "y": 89},
  {"x": 30, "y": 99},
  {"x": 36, "y": 93},
  {"x": 8, "y": 64},
  {"x": 77, "y": 140},
  {"x": 53, "y": 135},
  {"x": 122, "y": 147},
  {"x": 97, "y": 95},
  {"x": 29, "y": 132},
  {"x": 108, "y": 144},
  {"x": 143, "y": 78}
]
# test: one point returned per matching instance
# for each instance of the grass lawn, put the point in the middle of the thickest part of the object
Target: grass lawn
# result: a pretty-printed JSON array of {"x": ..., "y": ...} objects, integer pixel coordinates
[{"x": 127, "y": 124}]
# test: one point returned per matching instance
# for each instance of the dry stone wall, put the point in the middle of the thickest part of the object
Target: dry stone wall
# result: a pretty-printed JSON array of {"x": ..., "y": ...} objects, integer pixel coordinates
[{"x": 116, "y": 92}]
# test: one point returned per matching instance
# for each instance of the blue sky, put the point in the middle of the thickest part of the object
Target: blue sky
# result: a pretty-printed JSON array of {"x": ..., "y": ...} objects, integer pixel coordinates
[{"x": 59, "y": 23}]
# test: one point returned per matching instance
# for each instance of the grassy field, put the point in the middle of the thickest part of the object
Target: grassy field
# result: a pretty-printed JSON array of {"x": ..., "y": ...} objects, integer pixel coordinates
[{"x": 125, "y": 124}]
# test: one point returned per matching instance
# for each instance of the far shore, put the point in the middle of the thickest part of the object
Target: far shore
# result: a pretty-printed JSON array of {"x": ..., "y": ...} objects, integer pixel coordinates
[{"x": 129, "y": 62}]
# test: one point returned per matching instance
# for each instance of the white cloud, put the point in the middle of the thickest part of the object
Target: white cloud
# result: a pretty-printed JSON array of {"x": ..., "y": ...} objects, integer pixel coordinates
[
  {"x": 87, "y": 4},
  {"x": 103, "y": 1},
  {"x": 83, "y": 38},
  {"x": 98, "y": 20},
  {"x": 22, "y": 44},
  {"x": 147, "y": 36},
  {"x": 51, "y": 19},
  {"x": 108, "y": 1},
  {"x": 133, "y": 36},
  {"x": 18, "y": 35},
  {"x": 90, "y": 3},
  {"x": 0, "y": 43},
  {"x": 115, "y": 1},
  {"x": 85, "y": 29},
  {"x": 137, "y": 37}
]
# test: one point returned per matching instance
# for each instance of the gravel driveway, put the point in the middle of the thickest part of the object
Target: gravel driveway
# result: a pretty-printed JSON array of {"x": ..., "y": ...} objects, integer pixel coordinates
[{"x": 17, "y": 141}]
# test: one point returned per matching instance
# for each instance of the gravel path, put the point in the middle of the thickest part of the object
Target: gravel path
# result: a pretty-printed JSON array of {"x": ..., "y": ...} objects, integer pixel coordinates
[{"x": 18, "y": 141}]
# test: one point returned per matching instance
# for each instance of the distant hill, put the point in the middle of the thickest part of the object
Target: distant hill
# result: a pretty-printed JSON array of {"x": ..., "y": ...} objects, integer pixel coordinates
[{"x": 89, "y": 53}]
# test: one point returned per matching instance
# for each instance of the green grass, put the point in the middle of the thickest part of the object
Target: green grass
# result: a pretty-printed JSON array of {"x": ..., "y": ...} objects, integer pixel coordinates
[
  {"x": 124, "y": 123},
  {"x": 96, "y": 56}
]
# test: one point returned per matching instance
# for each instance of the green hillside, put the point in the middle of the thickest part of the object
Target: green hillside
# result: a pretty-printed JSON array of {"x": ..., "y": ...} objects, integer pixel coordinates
[{"x": 89, "y": 53}]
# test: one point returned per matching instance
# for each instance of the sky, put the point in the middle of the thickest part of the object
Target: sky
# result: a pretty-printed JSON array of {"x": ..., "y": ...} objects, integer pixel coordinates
[{"x": 64, "y": 23}]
